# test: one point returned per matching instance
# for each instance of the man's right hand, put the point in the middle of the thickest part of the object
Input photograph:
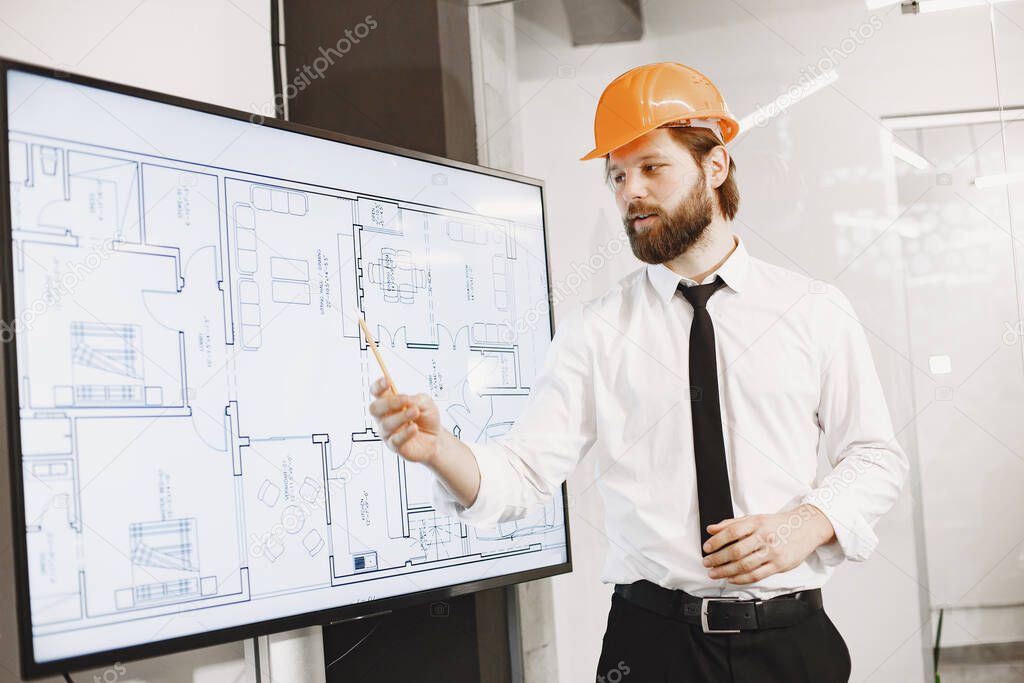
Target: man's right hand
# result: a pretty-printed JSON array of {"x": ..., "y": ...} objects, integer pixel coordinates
[{"x": 409, "y": 425}]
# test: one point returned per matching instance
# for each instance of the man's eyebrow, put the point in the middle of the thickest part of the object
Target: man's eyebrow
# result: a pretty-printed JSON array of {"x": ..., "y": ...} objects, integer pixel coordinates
[{"x": 641, "y": 160}]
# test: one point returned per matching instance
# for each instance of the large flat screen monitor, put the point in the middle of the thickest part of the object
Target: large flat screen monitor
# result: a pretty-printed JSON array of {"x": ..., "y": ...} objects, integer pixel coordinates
[{"x": 186, "y": 383}]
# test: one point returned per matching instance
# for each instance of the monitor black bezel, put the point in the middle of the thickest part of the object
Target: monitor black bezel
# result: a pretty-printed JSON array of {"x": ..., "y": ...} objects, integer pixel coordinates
[{"x": 12, "y": 430}]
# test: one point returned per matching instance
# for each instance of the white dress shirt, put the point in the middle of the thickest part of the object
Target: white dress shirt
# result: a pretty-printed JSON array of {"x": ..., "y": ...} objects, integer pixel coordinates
[{"x": 795, "y": 373}]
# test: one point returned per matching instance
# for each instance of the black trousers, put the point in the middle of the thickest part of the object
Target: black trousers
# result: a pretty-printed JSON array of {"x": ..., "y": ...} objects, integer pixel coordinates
[{"x": 643, "y": 647}]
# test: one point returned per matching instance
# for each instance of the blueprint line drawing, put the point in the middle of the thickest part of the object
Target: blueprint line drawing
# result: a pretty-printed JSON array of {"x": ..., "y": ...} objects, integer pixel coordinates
[{"x": 193, "y": 420}]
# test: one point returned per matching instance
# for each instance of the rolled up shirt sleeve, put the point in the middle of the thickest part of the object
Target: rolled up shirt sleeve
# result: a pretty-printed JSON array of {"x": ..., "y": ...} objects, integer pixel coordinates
[
  {"x": 868, "y": 465},
  {"x": 526, "y": 466}
]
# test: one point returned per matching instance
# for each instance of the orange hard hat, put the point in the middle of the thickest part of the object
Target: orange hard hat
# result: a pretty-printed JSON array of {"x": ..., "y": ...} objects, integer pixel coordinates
[{"x": 656, "y": 95}]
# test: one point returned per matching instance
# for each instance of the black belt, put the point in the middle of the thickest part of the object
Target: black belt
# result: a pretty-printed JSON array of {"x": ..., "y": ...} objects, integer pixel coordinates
[{"x": 722, "y": 615}]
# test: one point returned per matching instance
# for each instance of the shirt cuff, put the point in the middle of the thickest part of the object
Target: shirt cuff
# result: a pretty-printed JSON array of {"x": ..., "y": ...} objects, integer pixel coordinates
[
  {"x": 486, "y": 510},
  {"x": 855, "y": 539}
]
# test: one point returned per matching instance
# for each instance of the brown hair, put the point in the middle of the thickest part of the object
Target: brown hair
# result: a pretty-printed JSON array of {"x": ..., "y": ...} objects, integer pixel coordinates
[{"x": 700, "y": 141}]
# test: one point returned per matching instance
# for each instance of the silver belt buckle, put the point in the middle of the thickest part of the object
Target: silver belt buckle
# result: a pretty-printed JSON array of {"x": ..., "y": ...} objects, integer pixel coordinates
[{"x": 704, "y": 615}]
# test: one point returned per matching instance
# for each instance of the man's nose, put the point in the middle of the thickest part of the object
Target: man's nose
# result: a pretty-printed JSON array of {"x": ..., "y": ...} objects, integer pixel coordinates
[{"x": 634, "y": 187}]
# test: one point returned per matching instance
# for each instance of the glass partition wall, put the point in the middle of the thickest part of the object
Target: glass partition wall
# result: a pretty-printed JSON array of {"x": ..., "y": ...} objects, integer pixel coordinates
[{"x": 959, "y": 194}]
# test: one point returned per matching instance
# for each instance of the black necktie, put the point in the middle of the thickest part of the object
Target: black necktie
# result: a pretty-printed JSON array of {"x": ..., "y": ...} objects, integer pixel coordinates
[{"x": 714, "y": 499}]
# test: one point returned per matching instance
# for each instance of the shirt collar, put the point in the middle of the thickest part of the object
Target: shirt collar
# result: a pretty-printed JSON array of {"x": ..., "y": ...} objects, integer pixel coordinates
[{"x": 733, "y": 271}]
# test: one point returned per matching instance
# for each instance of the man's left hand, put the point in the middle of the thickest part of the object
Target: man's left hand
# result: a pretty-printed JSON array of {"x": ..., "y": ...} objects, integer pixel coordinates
[{"x": 749, "y": 549}]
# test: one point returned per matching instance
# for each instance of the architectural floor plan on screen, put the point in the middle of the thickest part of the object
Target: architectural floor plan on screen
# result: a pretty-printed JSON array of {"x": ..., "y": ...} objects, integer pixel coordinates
[{"x": 193, "y": 384}]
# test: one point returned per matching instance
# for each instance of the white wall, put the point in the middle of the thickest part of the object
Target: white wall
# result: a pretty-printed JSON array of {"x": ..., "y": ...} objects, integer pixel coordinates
[
  {"x": 818, "y": 196},
  {"x": 214, "y": 50}
]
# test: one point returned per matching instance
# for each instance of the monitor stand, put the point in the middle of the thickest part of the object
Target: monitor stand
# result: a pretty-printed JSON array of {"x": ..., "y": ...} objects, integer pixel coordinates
[{"x": 289, "y": 656}]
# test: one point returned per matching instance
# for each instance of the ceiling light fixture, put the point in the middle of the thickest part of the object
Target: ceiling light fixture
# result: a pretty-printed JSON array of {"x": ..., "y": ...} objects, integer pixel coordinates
[
  {"x": 926, "y": 6},
  {"x": 998, "y": 179}
]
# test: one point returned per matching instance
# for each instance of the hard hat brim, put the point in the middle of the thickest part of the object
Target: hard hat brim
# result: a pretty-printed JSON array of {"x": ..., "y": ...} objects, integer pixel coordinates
[{"x": 728, "y": 127}]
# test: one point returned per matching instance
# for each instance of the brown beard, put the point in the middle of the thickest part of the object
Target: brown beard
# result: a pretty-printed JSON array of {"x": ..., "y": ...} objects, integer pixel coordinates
[{"x": 674, "y": 233}]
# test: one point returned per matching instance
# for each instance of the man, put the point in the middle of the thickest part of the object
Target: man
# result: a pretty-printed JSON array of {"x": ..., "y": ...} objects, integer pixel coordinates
[{"x": 705, "y": 383}]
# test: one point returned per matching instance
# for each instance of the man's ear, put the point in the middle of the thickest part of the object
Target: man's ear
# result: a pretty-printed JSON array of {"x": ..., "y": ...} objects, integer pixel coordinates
[{"x": 717, "y": 169}]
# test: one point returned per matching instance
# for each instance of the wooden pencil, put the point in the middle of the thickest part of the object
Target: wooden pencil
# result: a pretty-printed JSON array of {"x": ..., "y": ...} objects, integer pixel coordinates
[{"x": 376, "y": 352}]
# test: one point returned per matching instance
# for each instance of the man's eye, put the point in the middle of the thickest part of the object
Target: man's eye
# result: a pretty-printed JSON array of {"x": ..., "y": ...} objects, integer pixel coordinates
[
  {"x": 618, "y": 178},
  {"x": 651, "y": 167}
]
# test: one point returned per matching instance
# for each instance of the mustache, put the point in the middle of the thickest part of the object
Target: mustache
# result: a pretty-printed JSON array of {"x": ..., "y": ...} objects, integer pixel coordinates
[{"x": 636, "y": 210}]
